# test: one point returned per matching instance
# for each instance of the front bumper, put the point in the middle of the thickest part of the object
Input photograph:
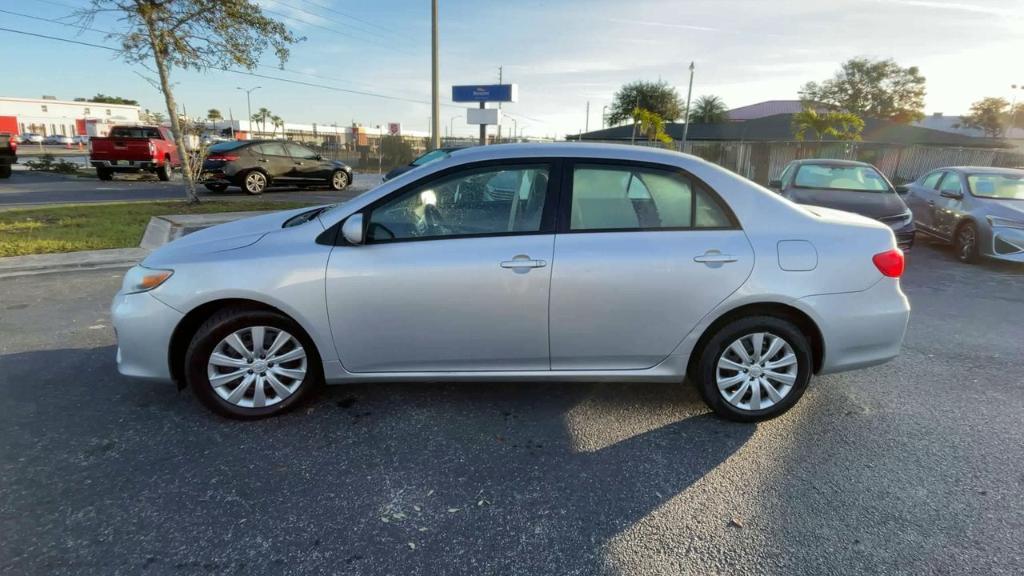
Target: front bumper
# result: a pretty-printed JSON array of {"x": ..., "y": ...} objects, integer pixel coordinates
[
  {"x": 861, "y": 328},
  {"x": 1007, "y": 244},
  {"x": 144, "y": 326}
]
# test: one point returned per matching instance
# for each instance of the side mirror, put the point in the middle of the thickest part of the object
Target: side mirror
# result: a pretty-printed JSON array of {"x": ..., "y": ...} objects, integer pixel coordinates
[
  {"x": 777, "y": 184},
  {"x": 902, "y": 190},
  {"x": 951, "y": 194},
  {"x": 352, "y": 229}
]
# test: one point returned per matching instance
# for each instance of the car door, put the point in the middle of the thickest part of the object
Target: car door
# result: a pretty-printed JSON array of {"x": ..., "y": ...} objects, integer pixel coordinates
[
  {"x": 274, "y": 159},
  {"x": 948, "y": 204},
  {"x": 450, "y": 278},
  {"x": 921, "y": 196},
  {"x": 642, "y": 254},
  {"x": 306, "y": 164}
]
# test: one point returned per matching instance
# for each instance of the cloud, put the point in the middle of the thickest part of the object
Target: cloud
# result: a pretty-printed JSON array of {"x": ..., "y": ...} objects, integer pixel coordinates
[
  {"x": 664, "y": 24},
  {"x": 959, "y": 7}
]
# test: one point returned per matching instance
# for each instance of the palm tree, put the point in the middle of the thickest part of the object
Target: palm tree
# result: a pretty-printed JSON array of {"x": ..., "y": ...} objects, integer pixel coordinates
[
  {"x": 709, "y": 109},
  {"x": 214, "y": 115},
  {"x": 278, "y": 123},
  {"x": 837, "y": 124},
  {"x": 651, "y": 125},
  {"x": 260, "y": 117}
]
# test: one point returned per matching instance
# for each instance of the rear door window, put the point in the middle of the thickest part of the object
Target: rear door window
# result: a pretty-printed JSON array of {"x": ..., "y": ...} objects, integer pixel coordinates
[{"x": 272, "y": 149}]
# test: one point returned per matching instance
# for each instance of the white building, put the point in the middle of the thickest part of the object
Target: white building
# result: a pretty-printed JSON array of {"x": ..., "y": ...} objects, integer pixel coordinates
[{"x": 49, "y": 116}]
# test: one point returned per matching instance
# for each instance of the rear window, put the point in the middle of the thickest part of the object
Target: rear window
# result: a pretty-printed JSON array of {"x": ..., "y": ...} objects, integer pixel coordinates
[
  {"x": 134, "y": 132},
  {"x": 226, "y": 146}
]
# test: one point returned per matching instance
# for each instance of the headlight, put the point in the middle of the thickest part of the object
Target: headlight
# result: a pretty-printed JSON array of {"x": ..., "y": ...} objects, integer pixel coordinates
[
  {"x": 1005, "y": 222},
  {"x": 142, "y": 279}
]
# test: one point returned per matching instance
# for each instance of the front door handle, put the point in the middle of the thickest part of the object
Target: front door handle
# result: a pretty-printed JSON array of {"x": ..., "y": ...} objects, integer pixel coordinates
[
  {"x": 523, "y": 262},
  {"x": 714, "y": 257}
]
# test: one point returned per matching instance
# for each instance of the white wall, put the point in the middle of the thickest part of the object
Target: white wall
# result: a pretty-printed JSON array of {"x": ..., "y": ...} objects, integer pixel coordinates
[{"x": 60, "y": 116}]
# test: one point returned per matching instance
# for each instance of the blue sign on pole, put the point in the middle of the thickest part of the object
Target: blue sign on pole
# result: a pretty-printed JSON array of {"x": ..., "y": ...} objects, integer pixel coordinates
[{"x": 486, "y": 93}]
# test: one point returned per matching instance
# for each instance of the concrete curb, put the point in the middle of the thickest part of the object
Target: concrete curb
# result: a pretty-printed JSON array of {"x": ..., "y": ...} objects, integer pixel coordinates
[{"x": 159, "y": 231}]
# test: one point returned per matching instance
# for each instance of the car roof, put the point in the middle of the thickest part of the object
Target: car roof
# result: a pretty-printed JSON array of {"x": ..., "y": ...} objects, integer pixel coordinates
[
  {"x": 831, "y": 162},
  {"x": 984, "y": 170},
  {"x": 571, "y": 149}
]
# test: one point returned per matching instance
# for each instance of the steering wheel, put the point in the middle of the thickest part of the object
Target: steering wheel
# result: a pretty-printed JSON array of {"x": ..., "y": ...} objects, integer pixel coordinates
[{"x": 434, "y": 220}]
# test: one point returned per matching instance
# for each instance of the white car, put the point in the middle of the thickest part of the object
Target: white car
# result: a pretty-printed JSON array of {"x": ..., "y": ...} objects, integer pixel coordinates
[{"x": 571, "y": 262}]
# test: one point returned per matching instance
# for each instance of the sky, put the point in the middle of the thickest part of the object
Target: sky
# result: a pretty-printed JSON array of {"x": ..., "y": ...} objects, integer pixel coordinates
[{"x": 561, "y": 53}]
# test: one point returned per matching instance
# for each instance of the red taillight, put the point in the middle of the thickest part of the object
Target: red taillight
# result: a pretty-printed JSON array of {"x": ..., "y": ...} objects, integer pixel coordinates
[
  {"x": 222, "y": 157},
  {"x": 890, "y": 263},
  {"x": 14, "y": 144},
  {"x": 152, "y": 149}
]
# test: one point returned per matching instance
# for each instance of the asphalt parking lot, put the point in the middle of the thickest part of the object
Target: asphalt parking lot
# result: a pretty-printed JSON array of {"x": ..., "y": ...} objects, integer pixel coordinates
[
  {"x": 914, "y": 467},
  {"x": 29, "y": 189}
]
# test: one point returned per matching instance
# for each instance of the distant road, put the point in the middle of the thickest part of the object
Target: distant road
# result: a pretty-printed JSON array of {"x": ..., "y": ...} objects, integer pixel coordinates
[{"x": 26, "y": 189}]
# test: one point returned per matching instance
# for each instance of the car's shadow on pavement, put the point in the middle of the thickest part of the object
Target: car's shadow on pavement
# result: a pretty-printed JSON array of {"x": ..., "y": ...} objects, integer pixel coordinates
[{"x": 106, "y": 474}]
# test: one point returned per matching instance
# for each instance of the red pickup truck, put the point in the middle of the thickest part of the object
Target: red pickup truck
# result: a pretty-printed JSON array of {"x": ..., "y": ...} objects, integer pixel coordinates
[{"x": 133, "y": 149}]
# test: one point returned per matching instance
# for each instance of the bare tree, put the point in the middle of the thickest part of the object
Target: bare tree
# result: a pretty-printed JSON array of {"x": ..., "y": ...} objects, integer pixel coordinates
[{"x": 191, "y": 34}]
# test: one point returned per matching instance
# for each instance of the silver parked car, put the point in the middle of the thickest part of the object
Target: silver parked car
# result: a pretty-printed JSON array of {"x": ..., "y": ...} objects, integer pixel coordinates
[
  {"x": 980, "y": 211},
  {"x": 572, "y": 262}
]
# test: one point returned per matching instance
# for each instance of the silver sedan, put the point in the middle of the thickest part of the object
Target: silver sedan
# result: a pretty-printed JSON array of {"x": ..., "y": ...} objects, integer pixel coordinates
[
  {"x": 572, "y": 262},
  {"x": 980, "y": 211}
]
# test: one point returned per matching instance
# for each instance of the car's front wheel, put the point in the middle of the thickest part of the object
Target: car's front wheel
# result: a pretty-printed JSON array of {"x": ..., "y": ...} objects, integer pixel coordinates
[
  {"x": 254, "y": 182},
  {"x": 966, "y": 243},
  {"x": 754, "y": 368},
  {"x": 250, "y": 364},
  {"x": 339, "y": 180}
]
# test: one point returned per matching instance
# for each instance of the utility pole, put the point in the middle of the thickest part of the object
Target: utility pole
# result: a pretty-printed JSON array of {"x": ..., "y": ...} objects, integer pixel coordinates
[
  {"x": 483, "y": 128},
  {"x": 499, "y": 140},
  {"x": 248, "y": 101},
  {"x": 604, "y": 116},
  {"x": 435, "y": 91},
  {"x": 686, "y": 120},
  {"x": 586, "y": 123}
]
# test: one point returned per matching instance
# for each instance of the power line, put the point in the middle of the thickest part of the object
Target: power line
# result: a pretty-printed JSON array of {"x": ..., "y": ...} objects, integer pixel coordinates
[
  {"x": 368, "y": 23},
  {"x": 376, "y": 41},
  {"x": 345, "y": 24}
]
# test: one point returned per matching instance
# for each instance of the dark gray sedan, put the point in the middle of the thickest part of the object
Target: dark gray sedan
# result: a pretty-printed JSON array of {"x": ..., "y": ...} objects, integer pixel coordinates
[
  {"x": 848, "y": 185},
  {"x": 980, "y": 211}
]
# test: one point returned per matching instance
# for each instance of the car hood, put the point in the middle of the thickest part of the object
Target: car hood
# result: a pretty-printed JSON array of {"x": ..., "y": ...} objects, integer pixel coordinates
[
  {"x": 223, "y": 237},
  {"x": 1012, "y": 209},
  {"x": 870, "y": 204}
]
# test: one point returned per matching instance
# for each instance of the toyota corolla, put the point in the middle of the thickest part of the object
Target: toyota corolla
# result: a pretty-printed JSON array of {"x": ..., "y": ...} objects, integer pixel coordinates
[{"x": 554, "y": 262}]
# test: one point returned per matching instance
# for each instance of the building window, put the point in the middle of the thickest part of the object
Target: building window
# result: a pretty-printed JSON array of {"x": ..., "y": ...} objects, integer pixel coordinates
[
  {"x": 108, "y": 111},
  {"x": 44, "y": 108},
  {"x": 87, "y": 111}
]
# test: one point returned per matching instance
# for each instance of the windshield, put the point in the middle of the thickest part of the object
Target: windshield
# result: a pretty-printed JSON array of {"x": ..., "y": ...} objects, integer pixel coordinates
[
  {"x": 1000, "y": 186},
  {"x": 837, "y": 177},
  {"x": 429, "y": 157},
  {"x": 133, "y": 132}
]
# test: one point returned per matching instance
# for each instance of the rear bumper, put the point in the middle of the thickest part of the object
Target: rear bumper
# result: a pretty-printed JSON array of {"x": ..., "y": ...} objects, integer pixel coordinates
[
  {"x": 861, "y": 328},
  {"x": 905, "y": 240},
  {"x": 126, "y": 165},
  {"x": 144, "y": 326}
]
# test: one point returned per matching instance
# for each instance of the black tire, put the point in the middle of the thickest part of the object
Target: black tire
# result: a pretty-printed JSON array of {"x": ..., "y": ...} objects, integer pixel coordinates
[
  {"x": 255, "y": 182},
  {"x": 163, "y": 172},
  {"x": 104, "y": 174},
  {"x": 5, "y": 171},
  {"x": 965, "y": 243},
  {"x": 216, "y": 187},
  {"x": 223, "y": 324},
  {"x": 707, "y": 371},
  {"x": 339, "y": 180}
]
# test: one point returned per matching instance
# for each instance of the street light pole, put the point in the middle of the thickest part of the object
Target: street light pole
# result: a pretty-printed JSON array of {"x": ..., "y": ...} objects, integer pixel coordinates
[
  {"x": 686, "y": 120},
  {"x": 1013, "y": 108},
  {"x": 604, "y": 116},
  {"x": 435, "y": 91},
  {"x": 586, "y": 122},
  {"x": 248, "y": 102},
  {"x": 451, "y": 124}
]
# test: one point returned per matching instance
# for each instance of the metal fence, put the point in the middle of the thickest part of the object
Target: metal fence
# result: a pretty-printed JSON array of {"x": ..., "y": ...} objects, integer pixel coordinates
[{"x": 764, "y": 161}]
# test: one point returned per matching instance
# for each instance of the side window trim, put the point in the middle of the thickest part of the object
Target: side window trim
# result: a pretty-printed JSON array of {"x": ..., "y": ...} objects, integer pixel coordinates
[
  {"x": 548, "y": 213},
  {"x": 564, "y": 222},
  {"x": 950, "y": 174}
]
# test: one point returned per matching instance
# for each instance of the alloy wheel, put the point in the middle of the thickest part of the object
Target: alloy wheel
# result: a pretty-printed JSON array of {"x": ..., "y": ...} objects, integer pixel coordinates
[
  {"x": 257, "y": 366},
  {"x": 756, "y": 371},
  {"x": 339, "y": 180},
  {"x": 255, "y": 182},
  {"x": 966, "y": 239}
]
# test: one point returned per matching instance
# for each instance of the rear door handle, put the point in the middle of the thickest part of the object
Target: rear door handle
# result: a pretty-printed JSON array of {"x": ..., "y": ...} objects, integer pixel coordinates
[
  {"x": 523, "y": 263},
  {"x": 262, "y": 160},
  {"x": 714, "y": 257}
]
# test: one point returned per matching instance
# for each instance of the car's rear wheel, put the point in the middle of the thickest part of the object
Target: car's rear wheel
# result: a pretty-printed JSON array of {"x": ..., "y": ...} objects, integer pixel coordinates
[
  {"x": 339, "y": 180},
  {"x": 163, "y": 172},
  {"x": 104, "y": 174},
  {"x": 254, "y": 182},
  {"x": 966, "y": 243},
  {"x": 216, "y": 187},
  {"x": 249, "y": 364},
  {"x": 754, "y": 368}
]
